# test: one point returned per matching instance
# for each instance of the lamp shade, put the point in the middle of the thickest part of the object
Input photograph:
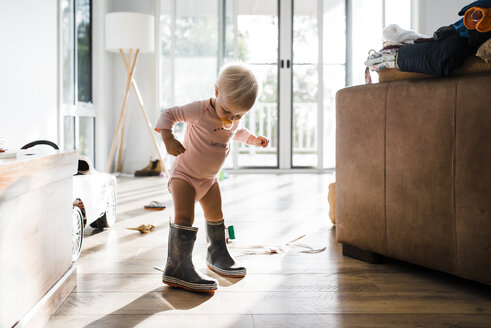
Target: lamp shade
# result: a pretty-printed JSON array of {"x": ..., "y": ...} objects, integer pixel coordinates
[{"x": 128, "y": 30}]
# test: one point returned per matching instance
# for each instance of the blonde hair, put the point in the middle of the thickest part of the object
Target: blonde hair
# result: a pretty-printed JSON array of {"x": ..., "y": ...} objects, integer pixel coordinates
[{"x": 238, "y": 85}]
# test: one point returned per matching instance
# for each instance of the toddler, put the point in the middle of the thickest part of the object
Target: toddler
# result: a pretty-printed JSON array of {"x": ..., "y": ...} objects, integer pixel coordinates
[{"x": 211, "y": 123}]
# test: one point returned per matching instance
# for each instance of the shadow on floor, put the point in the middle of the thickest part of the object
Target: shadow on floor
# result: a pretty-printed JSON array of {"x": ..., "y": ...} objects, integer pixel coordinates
[{"x": 150, "y": 303}]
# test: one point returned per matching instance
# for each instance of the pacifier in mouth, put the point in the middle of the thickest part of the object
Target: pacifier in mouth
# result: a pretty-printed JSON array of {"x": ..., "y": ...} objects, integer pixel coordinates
[{"x": 227, "y": 124}]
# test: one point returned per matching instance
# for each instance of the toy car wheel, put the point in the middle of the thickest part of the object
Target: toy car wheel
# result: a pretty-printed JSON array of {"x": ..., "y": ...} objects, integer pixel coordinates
[
  {"x": 109, "y": 217},
  {"x": 77, "y": 232}
]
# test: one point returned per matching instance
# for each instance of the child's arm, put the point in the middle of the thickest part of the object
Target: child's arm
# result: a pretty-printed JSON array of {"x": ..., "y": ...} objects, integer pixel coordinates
[
  {"x": 190, "y": 113},
  {"x": 172, "y": 145},
  {"x": 245, "y": 136}
]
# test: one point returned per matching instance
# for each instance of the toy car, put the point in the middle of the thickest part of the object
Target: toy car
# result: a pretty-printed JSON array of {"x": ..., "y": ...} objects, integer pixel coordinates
[
  {"x": 94, "y": 203},
  {"x": 94, "y": 198}
]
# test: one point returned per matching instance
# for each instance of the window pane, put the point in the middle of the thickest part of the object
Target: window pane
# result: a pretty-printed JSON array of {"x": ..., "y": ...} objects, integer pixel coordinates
[
  {"x": 334, "y": 32},
  {"x": 334, "y": 79},
  {"x": 86, "y": 137},
  {"x": 68, "y": 51},
  {"x": 251, "y": 35},
  {"x": 305, "y": 34},
  {"x": 69, "y": 132},
  {"x": 196, "y": 49},
  {"x": 84, "y": 51},
  {"x": 305, "y": 84},
  {"x": 334, "y": 73},
  {"x": 262, "y": 120},
  {"x": 189, "y": 50},
  {"x": 166, "y": 65},
  {"x": 257, "y": 35}
]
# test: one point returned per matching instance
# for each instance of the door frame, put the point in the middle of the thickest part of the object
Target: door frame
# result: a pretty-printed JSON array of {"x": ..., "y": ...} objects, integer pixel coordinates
[{"x": 285, "y": 83}]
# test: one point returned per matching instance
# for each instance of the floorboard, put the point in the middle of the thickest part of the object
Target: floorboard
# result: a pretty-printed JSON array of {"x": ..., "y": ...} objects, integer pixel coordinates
[{"x": 118, "y": 286}]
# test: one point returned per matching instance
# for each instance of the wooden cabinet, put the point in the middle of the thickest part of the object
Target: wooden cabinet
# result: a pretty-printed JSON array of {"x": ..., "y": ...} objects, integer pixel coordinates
[{"x": 36, "y": 271}]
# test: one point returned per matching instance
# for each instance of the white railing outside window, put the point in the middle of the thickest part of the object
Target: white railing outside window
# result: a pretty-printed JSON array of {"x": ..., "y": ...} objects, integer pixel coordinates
[{"x": 261, "y": 121}]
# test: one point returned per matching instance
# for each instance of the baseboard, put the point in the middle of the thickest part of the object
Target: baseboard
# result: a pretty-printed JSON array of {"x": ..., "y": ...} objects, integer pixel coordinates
[{"x": 40, "y": 313}]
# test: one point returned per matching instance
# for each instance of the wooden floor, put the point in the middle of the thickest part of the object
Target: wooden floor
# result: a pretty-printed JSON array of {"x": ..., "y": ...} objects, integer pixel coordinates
[{"x": 119, "y": 287}]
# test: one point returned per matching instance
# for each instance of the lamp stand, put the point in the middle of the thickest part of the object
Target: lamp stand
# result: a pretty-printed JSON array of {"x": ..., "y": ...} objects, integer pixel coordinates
[{"x": 130, "y": 65}]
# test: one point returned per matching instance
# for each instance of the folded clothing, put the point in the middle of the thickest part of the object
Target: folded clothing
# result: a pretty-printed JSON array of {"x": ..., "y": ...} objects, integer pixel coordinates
[
  {"x": 439, "y": 57},
  {"x": 380, "y": 66},
  {"x": 382, "y": 56},
  {"x": 395, "y": 34}
]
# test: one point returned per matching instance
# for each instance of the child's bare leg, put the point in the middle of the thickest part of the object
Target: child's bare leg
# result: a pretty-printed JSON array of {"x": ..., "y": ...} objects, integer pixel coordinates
[
  {"x": 218, "y": 258},
  {"x": 212, "y": 203},
  {"x": 184, "y": 196}
]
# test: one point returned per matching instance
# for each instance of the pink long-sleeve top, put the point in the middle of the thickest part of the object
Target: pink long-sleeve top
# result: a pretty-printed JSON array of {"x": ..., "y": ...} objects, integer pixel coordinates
[{"x": 206, "y": 141}]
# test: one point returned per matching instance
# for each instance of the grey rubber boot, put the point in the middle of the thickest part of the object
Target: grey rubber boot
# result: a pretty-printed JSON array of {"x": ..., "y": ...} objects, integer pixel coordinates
[
  {"x": 179, "y": 269},
  {"x": 218, "y": 258}
]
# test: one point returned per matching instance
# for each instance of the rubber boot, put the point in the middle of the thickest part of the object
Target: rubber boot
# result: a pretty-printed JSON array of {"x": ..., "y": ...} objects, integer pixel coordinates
[
  {"x": 179, "y": 269},
  {"x": 152, "y": 169},
  {"x": 218, "y": 258}
]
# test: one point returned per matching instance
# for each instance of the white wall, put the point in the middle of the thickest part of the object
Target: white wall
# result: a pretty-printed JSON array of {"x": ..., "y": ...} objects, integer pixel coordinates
[
  {"x": 138, "y": 145},
  {"x": 437, "y": 13},
  {"x": 28, "y": 84}
]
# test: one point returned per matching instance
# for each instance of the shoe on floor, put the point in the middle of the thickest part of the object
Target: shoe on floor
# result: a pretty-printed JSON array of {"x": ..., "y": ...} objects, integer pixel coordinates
[
  {"x": 155, "y": 206},
  {"x": 153, "y": 169}
]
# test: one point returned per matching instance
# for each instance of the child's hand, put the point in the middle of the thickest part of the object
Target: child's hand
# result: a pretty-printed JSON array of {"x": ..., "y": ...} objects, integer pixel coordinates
[
  {"x": 174, "y": 147},
  {"x": 261, "y": 142}
]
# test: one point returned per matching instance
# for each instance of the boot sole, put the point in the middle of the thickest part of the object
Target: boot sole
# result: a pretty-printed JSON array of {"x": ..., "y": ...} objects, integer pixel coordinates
[
  {"x": 226, "y": 273},
  {"x": 211, "y": 291},
  {"x": 178, "y": 285}
]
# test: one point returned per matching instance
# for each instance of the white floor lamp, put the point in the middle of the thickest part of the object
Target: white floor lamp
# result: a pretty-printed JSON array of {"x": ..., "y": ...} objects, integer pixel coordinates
[{"x": 131, "y": 33}]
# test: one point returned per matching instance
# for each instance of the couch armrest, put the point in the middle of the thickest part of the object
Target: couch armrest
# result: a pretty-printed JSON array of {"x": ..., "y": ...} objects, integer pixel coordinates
[{"x": 360, "y": 142}]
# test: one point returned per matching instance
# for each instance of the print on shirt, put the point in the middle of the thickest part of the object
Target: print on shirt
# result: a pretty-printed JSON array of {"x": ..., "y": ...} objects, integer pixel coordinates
[{"x": 218, "y": 145}]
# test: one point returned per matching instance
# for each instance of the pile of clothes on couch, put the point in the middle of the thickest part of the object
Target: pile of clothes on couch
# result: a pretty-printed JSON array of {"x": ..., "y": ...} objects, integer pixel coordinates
[{"x": 441, "y": 54}]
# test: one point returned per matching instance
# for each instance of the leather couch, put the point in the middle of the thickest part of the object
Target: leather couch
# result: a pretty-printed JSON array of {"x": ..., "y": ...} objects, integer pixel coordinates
[{"x": 413, "y": 173}]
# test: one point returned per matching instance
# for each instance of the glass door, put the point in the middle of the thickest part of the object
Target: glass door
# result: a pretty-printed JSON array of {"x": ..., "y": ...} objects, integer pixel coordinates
[
  {"x": 319, "y": 65},
  {"x": 251, "y": 35},
  {"x": 297, "y": 52},
  {"x": 188, "y": 54}
]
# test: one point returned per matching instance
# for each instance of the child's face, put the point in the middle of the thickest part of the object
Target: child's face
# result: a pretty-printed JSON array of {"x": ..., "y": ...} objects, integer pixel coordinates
[{"x": 227, "y": 111}]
